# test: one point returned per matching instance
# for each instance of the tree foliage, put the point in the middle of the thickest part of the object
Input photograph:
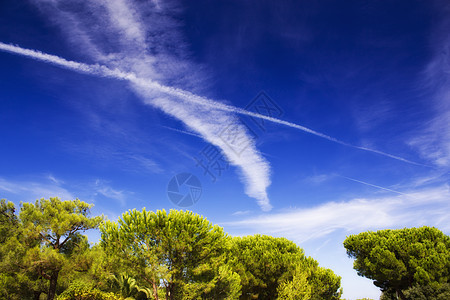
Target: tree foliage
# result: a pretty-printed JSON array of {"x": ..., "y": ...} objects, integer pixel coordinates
[
  {"x": 17, "y": 277},
  {"x": 272, "y": 268},
  {"x": 43, "y": 240},
  {"x": 311, "y": 282},
  {"x": 80, "y": 290},
  {"x": 146, "y": 255},
  {"x": 296, "y": 289},
  {"x": 181, "y": 249},
  {"x": 398, "y": 260},
  {"x": 56, "y": 222},
  {"x": 263, "y": 262},
  {"x": 429, "y": 292}
]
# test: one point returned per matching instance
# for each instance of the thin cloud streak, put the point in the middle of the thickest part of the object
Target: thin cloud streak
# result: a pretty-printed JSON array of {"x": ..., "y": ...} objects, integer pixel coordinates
[
  {"x": 183, "y": 131},
  {"x": 108, "y": 192},
  {"x": 432, "y": 138},
  {"x": 100, "y": 70},
  {"x": 373, "y": 185},
  {"x": 424, "y": 207},
  {"x": 29, "y": 191},
  {"x": 209, "y": 123},
  {"x": 138, "y": 37}
]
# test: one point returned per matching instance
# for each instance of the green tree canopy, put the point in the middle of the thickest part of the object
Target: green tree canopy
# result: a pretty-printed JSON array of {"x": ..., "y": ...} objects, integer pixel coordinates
[
  {"x": 429, "y": 292},
  {"x": 8, "y": 220},
  {"x": 263, "y": 262},
  {"x": 179, "y": 249},
  {"x": 296, "y": 289},
  {"x": 149, "y": 255},
  {"x": 399, "y": 259},
  {"x": 276, "y": 268},
  {"x": 325, "y": 285},
  {"x": 56, "y": 225},
  {"x": 17, "y": 279}
]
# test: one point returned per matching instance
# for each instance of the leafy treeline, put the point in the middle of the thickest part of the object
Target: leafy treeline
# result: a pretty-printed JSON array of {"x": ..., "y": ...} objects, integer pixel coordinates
[
  {"x": 180, "y": 255},
  {"x": 147, "y": 255},
  {"x": 410, "y": 263}
]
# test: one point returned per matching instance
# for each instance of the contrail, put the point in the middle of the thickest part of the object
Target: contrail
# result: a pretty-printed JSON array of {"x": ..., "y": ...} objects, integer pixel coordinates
[
  {"x": 103, "y": 71},
  {"x": 182, "y": 131},
  {"x": 373, "y": 185}
]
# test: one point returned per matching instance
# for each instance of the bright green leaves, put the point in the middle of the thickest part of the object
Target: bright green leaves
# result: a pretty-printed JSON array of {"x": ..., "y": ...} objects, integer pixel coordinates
[
  {"x": 325, "y": 284},
  {"x": 150, "y": 255},
  {"x": 312, "y": 283},
  {"x": 298, "y": 288},
  {"x": 262, "y": 263},
  {"x": 181, "y": 249},
  {"x": 44, "y": 241},
  {"x": 194, "y": 259},
  {"x": 16, "y": 282},
  {"x": 400, "y": 259},
  {"x": 272, "y": 268},
  {"x": 55, "y": 221}
]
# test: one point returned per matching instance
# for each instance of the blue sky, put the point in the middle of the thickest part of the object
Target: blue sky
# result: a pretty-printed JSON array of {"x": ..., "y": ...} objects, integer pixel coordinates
[{"x": 108, "y": 100}]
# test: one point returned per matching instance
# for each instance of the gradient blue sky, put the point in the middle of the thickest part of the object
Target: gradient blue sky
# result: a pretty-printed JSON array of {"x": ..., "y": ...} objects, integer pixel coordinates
[{"x": 369, "y": 79}]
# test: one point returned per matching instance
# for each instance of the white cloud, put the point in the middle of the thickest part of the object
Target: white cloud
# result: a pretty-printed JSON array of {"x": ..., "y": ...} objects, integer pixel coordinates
[
  {"x": 126, "y": 20},
  {"x": 140, "y": 53},
  {"x": 29, "y": 191},
  {"x": 106, "y": 190},
  {"x": 210, "y": 123},
  {"x": 134, "y": 43},
  {"x": 318, "y": 178},
  {"x": 423, "y": 207},
  {"x": 373, "y": 185},
  {"x": 321, "y": 230},
  {"x": 202, "y": 115},
  {"x": 241, "y": 212},
  {"x": 50, "y": 186},
  {"x": 433, "y": 139},
  {"x": 146, "y": 163},
  {"x": 55, "y": 180}
]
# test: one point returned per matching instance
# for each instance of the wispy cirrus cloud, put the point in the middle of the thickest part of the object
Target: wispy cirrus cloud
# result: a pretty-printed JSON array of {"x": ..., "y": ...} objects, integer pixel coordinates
[
  {"x": 241, "y": 212},
  {"x": 98, "y": 191},
  {"x": 203, "y": 115},
  {"x": 104, "y": 189},
  {"x": 433, "y": 139},
  {"x": 428, "y": 206},
  {"x": 133, "y": 41},
  {"x": 372, "y": 185},
  {"x": 31, "y": 190}
]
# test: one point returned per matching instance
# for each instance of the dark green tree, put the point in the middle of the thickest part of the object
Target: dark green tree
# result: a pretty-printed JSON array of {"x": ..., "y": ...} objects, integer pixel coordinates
[
  {"x": 398, "y": 260},
  {"x": 8, "y": 220},
  {"x": 429, "y": 292}
]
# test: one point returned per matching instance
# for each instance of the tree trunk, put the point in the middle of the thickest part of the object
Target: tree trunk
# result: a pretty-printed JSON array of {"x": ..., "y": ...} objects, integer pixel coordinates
[
  {"x": 155, "y": 290},
  {"x": 52, "y": 287},
  {"x": 171, "y": 289}
]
